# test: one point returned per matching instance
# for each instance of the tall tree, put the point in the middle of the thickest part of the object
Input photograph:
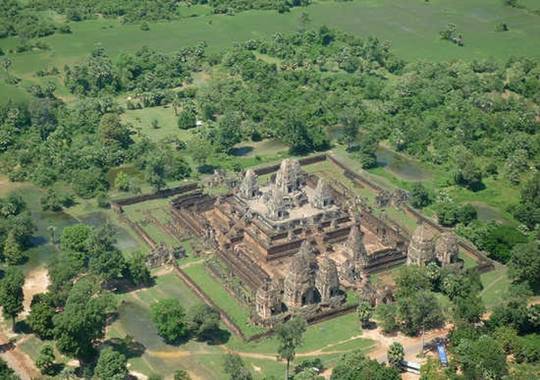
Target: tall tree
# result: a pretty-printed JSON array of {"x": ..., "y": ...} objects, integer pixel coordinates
[
  {"x": 83, "y": 319},
  {"x": 203, "y": 321},
  {"x": 524, "y": 265},
  {"x": 111, "y": 365},
  {"x": 395, "y": 354},
  {"x": 236, "y": 369},
  {"x": 170, "y": 319},
  {"x": 45, "y": 360},
  {"x": 351, "y": 124},
  {"x": 365, "y": 312},
  {"x": 13, "y": 252},
  {"x": 11, "y": 294},
  {"x": 290, "y": 335}
]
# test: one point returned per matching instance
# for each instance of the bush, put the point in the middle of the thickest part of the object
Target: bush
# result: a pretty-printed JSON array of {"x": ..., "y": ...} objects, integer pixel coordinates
[{"x": 169, "y": 317}]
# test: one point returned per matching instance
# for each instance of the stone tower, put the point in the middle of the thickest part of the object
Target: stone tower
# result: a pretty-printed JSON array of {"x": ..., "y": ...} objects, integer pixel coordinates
[
  {"x": 326, "y": 280},
  {"x": 249, "y": 188},
  {"x": 266, "y": 300},
  {"x": 323, "y": 195},
  {"x": 299, "y": 284},
  {"x": 277, "y": 208},
  {"x": 446, "y": 248},
  {"x": 422, "y": 246},
  {"x": 289, "y": 176},
  {"x": 357, "y": 249}
]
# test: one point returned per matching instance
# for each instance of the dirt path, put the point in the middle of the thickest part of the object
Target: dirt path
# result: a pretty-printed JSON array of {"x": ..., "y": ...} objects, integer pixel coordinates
[
  {"x": 411, "y": 345},
  {"x": 36, "y": 281},
  {"x": 17, "y": 360}
]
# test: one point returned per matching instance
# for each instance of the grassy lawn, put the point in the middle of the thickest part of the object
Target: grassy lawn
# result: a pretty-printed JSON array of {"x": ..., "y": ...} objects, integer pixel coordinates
[
  {"x": 495, "y": 284},
  {"x": 327, "y": 339},
  {"x": 237, "y": 311},
  {"x": 142, "y": 119}
]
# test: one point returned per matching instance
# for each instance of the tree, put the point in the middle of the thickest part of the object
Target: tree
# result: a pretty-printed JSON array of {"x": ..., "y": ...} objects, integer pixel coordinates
[
  {"x": 76, "y": 238},
  {"x": 169, "y": 318},
  {"x": 155, "y": 172},
  {"x": 418, "y": 312},
  {"x": 6, "y": 63},
  {"x": 83, "y": 319},
  {"x": 468, "y": 173},
  {"x": 13, "y": 252},
  {"x": 11, "y": 294},
  {"x": 111, "y": 365},
  {"x": 354, "y": 365},
  {"x": 410, "y": 280},
  {"x": 386, "y": 315},
  {"x": 187, "y": 118},
  {"x": 203, "y": 321},
  {"x": 420, "y": 197},
  {"x": 228, "y": 132},
  {"x": 395, "y": 355},
  {"x": 112, "y": 131},
  {"x": 7, "y": 373},
  {"x": 469, "y": 308},
  {"x": 524, "y": 264},
  {"x": 236, "y": 369},
  {"x": 432, "y": 370},
  {"x": 181, "y": 374},
  {"x": 121, "y": 182},
  {"x": 365, "y": 312},
  {"x": 290, "y": 336},
  {"x": 138, "y": 271},
  {"x": 200, "y": 149},
  {"x": 41, "y": 316},
  {"x": 482, "y": 358},
  {"x": 351, "y": 124},
  {"x": 45, "y": 360}
]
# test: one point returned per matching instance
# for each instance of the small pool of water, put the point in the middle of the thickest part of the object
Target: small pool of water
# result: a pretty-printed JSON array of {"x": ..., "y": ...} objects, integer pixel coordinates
[
  {"x": 488, "y": 213},
  {"x": 124, "y": 241},
  {"x": 401, "y": 166}
]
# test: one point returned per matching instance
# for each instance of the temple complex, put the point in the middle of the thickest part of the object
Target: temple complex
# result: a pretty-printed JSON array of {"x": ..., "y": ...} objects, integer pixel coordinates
[{"x": 292, "y": 240}]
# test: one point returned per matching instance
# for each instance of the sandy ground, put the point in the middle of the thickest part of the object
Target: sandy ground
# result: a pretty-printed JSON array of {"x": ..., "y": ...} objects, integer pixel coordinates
[{"x": 36, "y": 282}]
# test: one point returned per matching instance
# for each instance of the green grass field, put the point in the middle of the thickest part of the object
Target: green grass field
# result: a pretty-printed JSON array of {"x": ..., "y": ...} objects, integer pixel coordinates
[
  {"x": 237, "y": 311},
  {"x": 411, "y": 26},
  {"x": 327, "y": 339}
]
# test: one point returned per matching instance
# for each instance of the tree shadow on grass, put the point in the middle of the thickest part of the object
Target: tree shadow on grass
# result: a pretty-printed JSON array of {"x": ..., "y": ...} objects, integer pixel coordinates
[
  {"x": 22, "y": 327},
  {"x": 127, "y": 346},
  {"x": 206, "y": 169},
  {"x": 216, "y": 337},
  {"x": 241, "y": 151}
]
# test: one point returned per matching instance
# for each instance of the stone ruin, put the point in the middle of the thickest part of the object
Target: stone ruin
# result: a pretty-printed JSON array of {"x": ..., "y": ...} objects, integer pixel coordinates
[
  {"x": 427, "y": 245},
  {"x": 164, "y": 255},
  {"x": 294, "y": 242}
]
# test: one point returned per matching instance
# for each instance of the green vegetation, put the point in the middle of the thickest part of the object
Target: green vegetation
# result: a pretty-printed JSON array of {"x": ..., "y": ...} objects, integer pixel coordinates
[{"x": 447, "y": 109}]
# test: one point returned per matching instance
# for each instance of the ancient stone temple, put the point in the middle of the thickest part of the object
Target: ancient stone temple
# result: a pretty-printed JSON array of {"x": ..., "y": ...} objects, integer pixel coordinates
[
  {"x": 323, "y": 195},
  {"x": 427, "y": 245},
  {"x": 267, "y": 300},
  {"x": 326, "y": 279},
  {"x": 299, "y": 286},
  {"x": 292, "y": 241},
  {"x": 289, "y": 177},
  {"x": 356, "y": 252},
  {"x": 422, "y": 246},
  {"x": 249, "y": 188},
  {"x": 446, "y": 249}
]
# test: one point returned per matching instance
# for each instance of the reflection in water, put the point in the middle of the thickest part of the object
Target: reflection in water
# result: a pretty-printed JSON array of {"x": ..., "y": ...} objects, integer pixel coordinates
[
  {"x": 124, "y": 241},
  {"x": 405, "y": 168}
]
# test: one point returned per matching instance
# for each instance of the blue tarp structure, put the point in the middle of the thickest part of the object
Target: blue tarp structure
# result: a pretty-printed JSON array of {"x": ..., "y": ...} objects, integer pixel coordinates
[{"x": 442, "y": 354}]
